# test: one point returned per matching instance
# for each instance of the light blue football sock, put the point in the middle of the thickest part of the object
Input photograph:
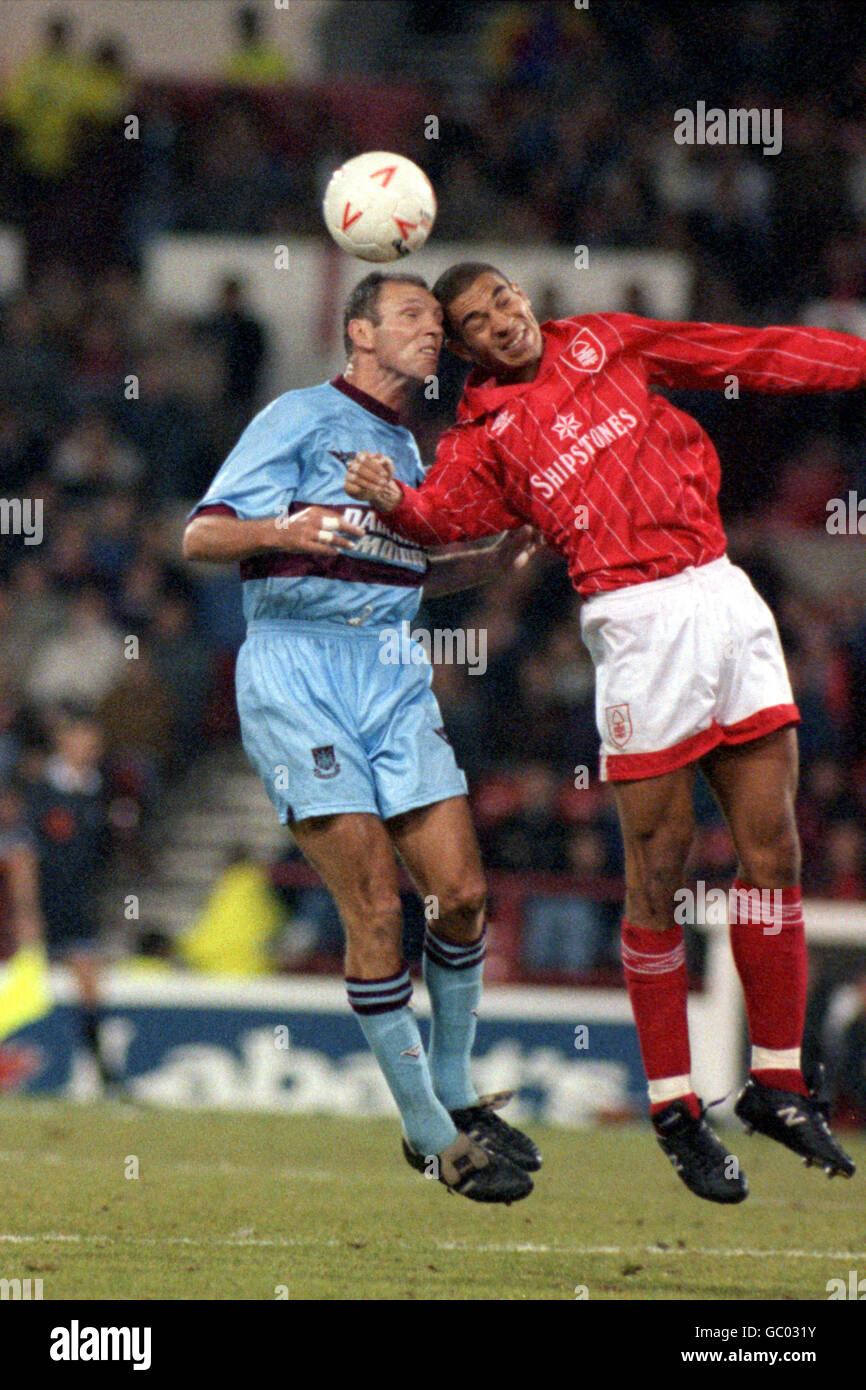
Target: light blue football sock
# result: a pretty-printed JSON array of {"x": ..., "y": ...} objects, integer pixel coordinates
[
  {"x": 453, "y": 976},
  {"x": 391, "y": 1029}
]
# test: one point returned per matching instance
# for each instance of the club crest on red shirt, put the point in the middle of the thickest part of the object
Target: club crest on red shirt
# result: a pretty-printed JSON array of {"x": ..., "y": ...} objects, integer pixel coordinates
[
  {"x": 502, "y": 422},
  {"x": 618, "y": 724},
  {"x": 586, "y": 351}
]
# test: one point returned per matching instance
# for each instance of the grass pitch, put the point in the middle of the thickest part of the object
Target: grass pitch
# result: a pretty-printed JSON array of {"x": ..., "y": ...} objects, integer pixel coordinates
[{"x": 230, "y": 1206}]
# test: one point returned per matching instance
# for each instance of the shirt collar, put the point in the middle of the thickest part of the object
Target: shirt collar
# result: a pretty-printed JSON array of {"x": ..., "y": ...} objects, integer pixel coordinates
[
  {"x": 368, "y": 402},
  {"x": 483, "y": 393}
]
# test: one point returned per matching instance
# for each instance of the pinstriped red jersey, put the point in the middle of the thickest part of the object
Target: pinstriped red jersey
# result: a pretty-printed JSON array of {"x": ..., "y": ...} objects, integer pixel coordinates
[{"x": 616, "y": 478}]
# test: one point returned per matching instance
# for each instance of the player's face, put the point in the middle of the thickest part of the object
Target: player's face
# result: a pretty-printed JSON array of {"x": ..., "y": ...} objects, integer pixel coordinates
[
  {"x": 408, "y": 337},
  {"x": 496, "y": 328}
]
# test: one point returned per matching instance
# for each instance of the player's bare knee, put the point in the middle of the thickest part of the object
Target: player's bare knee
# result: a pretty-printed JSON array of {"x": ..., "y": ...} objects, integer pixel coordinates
[
  {"x": 772, "y": 862},
  {"x": 381, "y": 915},
  {"x": 458, "y": 911},
  {"x": 663, "y": 854},
  {"x": 374, "y": 949},
  {"x": 649, "y": 903},
  {"x": 655, "y": 870},
  {"x": 374, "y": 930}
]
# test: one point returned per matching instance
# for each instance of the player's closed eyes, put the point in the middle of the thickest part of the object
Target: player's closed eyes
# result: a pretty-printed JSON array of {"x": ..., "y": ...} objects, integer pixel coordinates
[{"x": 476, "y": 322}]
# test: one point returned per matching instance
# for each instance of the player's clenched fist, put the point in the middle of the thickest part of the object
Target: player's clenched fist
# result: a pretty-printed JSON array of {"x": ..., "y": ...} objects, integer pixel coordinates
[
  {"x": 316, "y": 531},
  {"x": 370, "y": 478}
]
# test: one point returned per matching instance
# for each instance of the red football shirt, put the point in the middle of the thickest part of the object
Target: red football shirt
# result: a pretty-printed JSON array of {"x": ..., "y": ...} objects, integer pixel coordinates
[{"x": 617, "y": 479}]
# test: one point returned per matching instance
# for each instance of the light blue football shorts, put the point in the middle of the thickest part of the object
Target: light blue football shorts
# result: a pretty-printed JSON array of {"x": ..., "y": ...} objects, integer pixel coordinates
[{"x": 329, "y": 727}]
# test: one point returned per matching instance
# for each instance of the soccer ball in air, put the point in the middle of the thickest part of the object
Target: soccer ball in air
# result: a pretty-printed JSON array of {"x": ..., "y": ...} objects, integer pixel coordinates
[{"x": 379, "y": 206}]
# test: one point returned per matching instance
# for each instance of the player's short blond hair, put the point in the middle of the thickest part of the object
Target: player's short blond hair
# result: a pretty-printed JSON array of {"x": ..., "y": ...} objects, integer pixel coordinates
[{"x": 363, "y": 302}]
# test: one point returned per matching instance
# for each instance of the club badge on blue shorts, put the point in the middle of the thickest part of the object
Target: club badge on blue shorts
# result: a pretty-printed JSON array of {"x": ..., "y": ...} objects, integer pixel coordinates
[{"x": 325, "y": 760}]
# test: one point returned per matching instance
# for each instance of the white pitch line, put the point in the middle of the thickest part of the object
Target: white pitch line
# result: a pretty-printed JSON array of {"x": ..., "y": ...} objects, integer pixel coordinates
[
  {"x": 446, "y": 1246},
  {"x": 282, "y": 1242},
  {"x": 220, "y": 1168},
  {"x": 527, "y": 1247}
]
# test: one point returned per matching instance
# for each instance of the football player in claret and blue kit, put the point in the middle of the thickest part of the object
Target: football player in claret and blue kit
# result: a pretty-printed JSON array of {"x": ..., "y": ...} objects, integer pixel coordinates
[
  {"x": 560, "y": 427},
  {"x": 349, "y": 746}
]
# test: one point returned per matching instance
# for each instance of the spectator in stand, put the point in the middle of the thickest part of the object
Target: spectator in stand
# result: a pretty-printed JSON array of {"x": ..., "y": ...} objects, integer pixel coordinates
[
  {"x": 168, "y": 430},
  {"x": 236, "y": 929},
  {"x": 573, "y": 934},
  {"x": 255, "y": 61},
  {"x": 83, "y": 661},
  {"x": 532, "y": 837},
  {"x": 845, "y": 862},
  {"x": 10, "y": 738},
  {"x": 19, "y": 450},
  {"x": 114, "y": 536},
  {"x": 42, "y": 102},
  {"x": 24, "y": 990},
  {"x": 241, "y": 342},
  {"x": 224, "y": 194},
  {"x": 181, "y": 662},
  {"x": 825, "y": 799},
  {"x": 100, "y": 360},
  {"x": 105, "y": 86},
  {"x": 526, "y": 46},
  {"x": 34, "y": 370},
  {"x": 30, "y": 613},
  {"x": 68, "y": 561},
  {"x": 55, "y": 102},
  {"x": 137, "y": 718},
  {"x": 140, "y": 592},
  {"x": 91, "y": 459},
  {"x": 68, "y": 816}
]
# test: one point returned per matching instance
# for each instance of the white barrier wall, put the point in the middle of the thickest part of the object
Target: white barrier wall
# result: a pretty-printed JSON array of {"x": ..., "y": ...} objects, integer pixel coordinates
[
  {"x": 292, "y": 1045},
  {"x": 298, "y": 286},
  {"x": 164, "y": 38}
]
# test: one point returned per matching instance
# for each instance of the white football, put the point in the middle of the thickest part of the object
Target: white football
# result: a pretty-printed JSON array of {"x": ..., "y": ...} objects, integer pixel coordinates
[{"x": 379, "y": 206}]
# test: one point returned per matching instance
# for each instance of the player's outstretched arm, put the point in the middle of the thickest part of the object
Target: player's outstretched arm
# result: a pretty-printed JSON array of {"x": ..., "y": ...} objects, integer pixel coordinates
[
  {"x": 459, "y": 500},
  {"x": 471, "y": 565},
  {"x": 775, "y": 360},
  {"x": 223, "y": 539}
]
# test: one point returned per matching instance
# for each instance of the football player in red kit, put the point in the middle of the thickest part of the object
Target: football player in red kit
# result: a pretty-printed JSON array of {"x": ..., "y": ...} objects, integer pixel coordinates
[{"x": 559, "y": 427}]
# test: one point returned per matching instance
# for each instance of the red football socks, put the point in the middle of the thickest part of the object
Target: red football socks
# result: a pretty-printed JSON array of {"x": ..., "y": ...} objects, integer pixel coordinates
[
  {"x": 769, "y": 947},
  {"x": 655, "y": 972}
]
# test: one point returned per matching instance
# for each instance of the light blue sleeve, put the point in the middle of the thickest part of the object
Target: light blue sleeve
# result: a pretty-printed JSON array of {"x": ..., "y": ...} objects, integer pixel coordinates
[
  {"x": 261, "y": 474},
  {"x": 420, "y": 471}
]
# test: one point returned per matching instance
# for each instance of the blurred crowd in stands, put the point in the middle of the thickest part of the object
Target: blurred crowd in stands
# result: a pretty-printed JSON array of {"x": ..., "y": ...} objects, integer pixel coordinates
[
  {"x": 555, "y": 124},
  {"x": 114, "y": 414}
]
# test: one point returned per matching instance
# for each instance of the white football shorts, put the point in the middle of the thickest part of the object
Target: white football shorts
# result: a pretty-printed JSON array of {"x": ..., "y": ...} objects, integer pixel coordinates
[{"x": 682, "y": 665}]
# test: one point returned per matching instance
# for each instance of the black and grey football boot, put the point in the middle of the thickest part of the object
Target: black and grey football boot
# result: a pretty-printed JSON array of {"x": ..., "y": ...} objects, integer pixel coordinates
[
  {"x": 488, "y": 1129},
  {"x": 801, "y": 1123},
  {"x": 698, "y": 1156},
  {"x": 474, "y": 1172}
]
